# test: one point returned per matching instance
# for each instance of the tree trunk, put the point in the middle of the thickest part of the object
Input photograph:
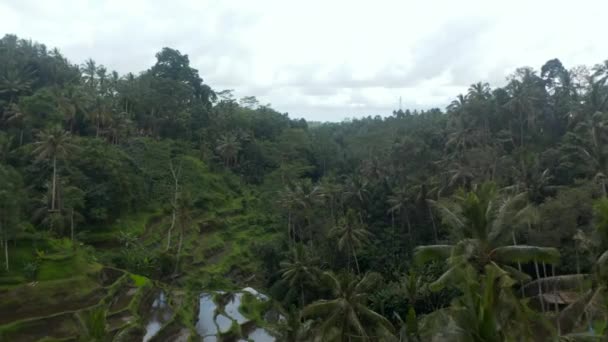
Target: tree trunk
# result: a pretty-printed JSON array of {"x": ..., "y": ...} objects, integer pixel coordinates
[
  {"x": 170, "y": 229},
  {"x": 521, "y": 285},
  {"x": 356, "y": 260},
  {"x": 54, "y": 189},
  {"x": 289, "y": 232},
  {"x": 72, "y": 223},
  {"x": 175, "y": 174},
  {"x": 434, "y": 225},
  {"x": 6, "y": 254},
  {"x": 179, "y": 250},
  {"x": 521, "y": 130},
  {"x": 556, "y": 307},
  {"x": 409, "y": 225},
  {"x": 301, "y": 294},
  {"x": 540, "y": 287}
]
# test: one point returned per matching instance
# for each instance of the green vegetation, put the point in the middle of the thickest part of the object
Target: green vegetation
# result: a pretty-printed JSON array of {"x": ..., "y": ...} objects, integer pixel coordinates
[{"x": 484, "y": 222}]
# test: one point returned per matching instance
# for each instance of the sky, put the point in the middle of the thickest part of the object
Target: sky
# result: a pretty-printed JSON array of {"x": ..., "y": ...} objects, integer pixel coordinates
[{"x": 324, "y": 60}]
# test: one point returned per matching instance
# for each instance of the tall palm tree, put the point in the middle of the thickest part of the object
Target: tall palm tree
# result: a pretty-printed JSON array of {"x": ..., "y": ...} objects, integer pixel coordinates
[
  {"x": 184, "y": 215},
  {"x": 347, "y": 317},
  {"x": 587, "y": 144},
  {"x": 351, "y": 235},
  {"x": 486, "y": 310},
  {"x": 228, "y": 146},
  {"x": 72, "y": 202},
  {"x": 398, "y": 203},
  {"x": 53, "y": 144},
  {"x": 356, "y": 190},
  {"x": 300, "y": 272},
  {"x": 483, "y": 224},
  {"x": 331, "y": 191},
  {"x": 16, "y": 81}
]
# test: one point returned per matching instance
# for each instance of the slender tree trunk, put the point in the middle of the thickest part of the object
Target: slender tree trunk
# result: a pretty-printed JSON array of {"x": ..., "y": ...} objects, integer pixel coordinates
[
  {"x": 521, "y": 130},
  {"x": 409, "y": 225},
  {"x": 356, "y": 260},
  {"x": 72, "y": 223},
  {"x": 54, "y": 189},
  {"x": 434, "y": 225},
  {"x": 521, "y": 285},
  {"x": 20, "y": 137},
  {"x": 175, "y": 173},
  {"x": 170, "y": 229},
  {"x": 301, "y": 294},
  {"x": 290, "y": 236},
  {"x": 540, "y": 287},
  {"x": 4, "y": 243},
  {"x": 6, "y": 253},
  {"x": 556, "y": 307},
  {"x": 179, "y": 250}
]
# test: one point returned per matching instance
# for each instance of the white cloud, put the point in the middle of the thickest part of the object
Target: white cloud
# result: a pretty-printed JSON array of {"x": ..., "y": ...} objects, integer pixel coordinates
[{"x": 318, "y": 59}]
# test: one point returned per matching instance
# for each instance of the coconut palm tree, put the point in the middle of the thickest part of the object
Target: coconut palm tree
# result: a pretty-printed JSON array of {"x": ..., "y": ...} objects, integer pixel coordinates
[
  {"x": 347, "y": 317},
  {"x": 53, "y": 144},
  {"x": 398, "y": 203},
  {"x": 300, "y": 199},
  {"x": 356, "y": 191},
  {"x": 483, "y": 224},
  {"x": 228, "y": 146},
  {"x": 351, "y": 235},
  {"x": 486, "y": 310},
  {"x": 15, "y": 81},
  {"x": 72, "y": 202},
  {"x": 300, "y": 272}
]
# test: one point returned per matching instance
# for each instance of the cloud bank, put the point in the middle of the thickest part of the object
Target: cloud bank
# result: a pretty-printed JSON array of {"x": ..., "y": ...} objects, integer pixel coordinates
[{"x": 323, "y": 60}]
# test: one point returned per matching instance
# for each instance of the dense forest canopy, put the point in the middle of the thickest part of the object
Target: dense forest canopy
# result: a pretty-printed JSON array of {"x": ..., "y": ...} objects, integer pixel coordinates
[{"x": 485, "y": 221}]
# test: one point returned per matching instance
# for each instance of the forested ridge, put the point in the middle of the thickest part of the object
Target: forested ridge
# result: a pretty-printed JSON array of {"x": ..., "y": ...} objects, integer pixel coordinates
[{"x": 483, "y": 221}]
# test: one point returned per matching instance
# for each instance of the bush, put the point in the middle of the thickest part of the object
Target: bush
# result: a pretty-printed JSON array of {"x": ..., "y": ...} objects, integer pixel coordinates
[{"x": 30, "y": 270}]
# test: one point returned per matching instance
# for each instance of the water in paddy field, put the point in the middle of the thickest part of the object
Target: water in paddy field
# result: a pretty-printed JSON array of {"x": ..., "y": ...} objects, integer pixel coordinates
[
  {"x": 160, "y": 314},
  {"x": 211, "y": 322}
]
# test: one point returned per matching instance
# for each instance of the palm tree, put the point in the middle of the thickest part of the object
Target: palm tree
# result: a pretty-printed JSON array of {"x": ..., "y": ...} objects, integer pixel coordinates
[
  {"x": 483, "y": 223},
  {"x": 53, "y": 144},
  {"x": 587, "y": 145},
  {"x": 69, "y": 101},
  {"x": 15, "y": 82},
  {"x": 331, "y": 191},
  {"x": 72, "y": 201},
  {"x": 292, "y": 328},
  {"x": 308, "y": 196},
  {"x": 300, "y": 272},
  {"x": 351, "y": 236},
  {"x": 356, "y": 190},
  {"x": 347, "y": 317},
  {"x": 184, "y": 222},
  {"x": 591, "y": 303},
  {"x": 524, "y": 100},
  {"x": 487, "y": 310},
  {"x": 228, "y": 147},
  {"x": 398, "y": 202}
]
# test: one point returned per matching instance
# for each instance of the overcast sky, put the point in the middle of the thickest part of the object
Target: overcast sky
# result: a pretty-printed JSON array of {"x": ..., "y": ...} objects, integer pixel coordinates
[{"x": 327, "y": 59}]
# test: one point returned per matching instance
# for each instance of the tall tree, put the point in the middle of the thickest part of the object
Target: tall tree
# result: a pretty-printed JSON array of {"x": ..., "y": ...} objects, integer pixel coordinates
[
  {"x": 53, "y": 144},
  {"x": 347, "y": 317}
]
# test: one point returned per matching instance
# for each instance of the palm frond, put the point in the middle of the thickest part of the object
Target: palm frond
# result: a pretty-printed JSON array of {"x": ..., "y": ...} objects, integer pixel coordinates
[
  {"x": 524, "y": 254},
  {"x": 424, "y": 254},
  {"x": 568, "y": 282}
]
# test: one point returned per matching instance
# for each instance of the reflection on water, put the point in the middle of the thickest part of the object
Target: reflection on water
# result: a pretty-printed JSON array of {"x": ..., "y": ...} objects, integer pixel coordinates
[
  {"x": 213, "y": 321},
  {"x": 232, "y": 308},
  {"x": 160, "y": 313},
  {"x": 260, "y": 335},
  {"x": 205, "y": 325}
]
